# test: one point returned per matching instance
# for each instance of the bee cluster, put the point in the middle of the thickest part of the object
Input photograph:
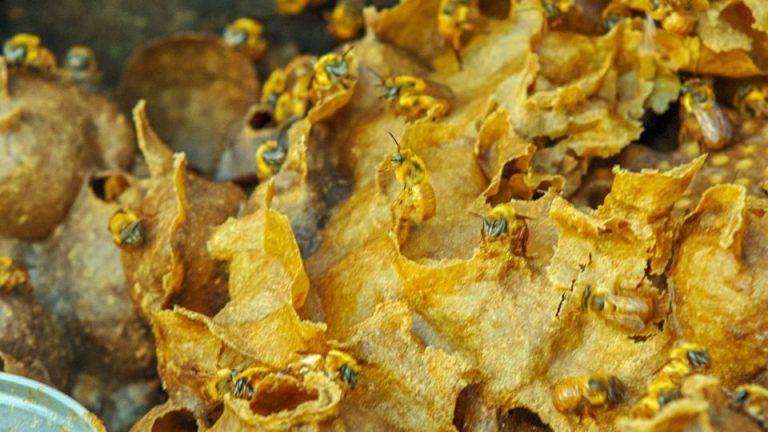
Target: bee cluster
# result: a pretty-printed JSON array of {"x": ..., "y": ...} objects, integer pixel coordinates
[{"x": 241, "y": 383}]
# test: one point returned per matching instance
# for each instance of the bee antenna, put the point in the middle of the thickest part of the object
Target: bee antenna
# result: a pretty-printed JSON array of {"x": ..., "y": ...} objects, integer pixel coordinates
[
  {"x": 457, "y": 54},
  {"x": 381, "y": 78},
  {"x": 283, "y": 132},
  {"x": 395, "y": 140},
  {"x": 344, "y": 56}
]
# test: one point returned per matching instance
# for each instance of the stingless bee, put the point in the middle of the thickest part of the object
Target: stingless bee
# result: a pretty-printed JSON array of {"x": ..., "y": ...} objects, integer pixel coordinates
[
  {"x": 287, "y": 90},
  {"x": 274, "y": 86},
  {"x": 80, "y": 66},
  {"x": 504, "y": 221},
  {"x": 269, "y": 157},
  {"x": 703, "y": 118},
  {"x": 336, "y": 365},
  {"x": 25, "y": 49},
  {"x": 660, "y": 393},
  {"x": 292, "y": 105},
  {"x": 126, "y": 228},
  {"x": 413, "y": 98},
  {"x": 555, "y": 9},
  {"x": 752, "y": 101},
  {"x": 342, "y": 367},
  {"x": 346, "y": 20},
  {"x": 332, "y": 73},
  {"x": 238, "y": 383},
  {"x": 684, "y": 360},
  {"x": 411, "y": 172},
  {"x": 246, "y": 34},
  {"x": 613, "y": 13},
  {"x": 752, "y": 399},
  {"x": 271, "y": 154},
  {"x": 677, "y": 16},
  {"x": 630, "y": 312},
  {"x": 580, "y": 395},
  {"x": 455, "y": 20}
]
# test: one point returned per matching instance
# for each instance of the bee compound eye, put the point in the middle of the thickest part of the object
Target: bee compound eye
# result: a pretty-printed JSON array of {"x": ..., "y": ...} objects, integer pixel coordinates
[
  {"x": 597, "y": 303},
  {"x": 235, "y": 37},
  {"x": 15, "y": 52},
  {"x": 740, "y": 397},
  {"x": 77, "y": 61},
  {"x": 698, "y": 358},
  {"x": 596, "y": 385},
  {"x": 700, "y": 97}
]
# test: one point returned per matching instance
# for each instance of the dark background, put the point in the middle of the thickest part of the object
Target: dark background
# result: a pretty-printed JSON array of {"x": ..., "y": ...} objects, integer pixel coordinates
[{"x": 115, "y": 28}]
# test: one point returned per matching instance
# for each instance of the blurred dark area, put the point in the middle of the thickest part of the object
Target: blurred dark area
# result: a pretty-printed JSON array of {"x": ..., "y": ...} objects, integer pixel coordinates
[{"x": 114, "y": 29}]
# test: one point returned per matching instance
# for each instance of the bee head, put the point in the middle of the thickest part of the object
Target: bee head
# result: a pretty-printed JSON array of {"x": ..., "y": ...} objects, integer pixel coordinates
[
  {"x": 550, "y": 8},
  {"x": 494, "y": 226},
  {"x": 337, "y": 69},
  {"x": 79, "y": 58},
  {"x": 739, "y": 397},
  {"x": 592, "y": 302},
  {"x": 449, "y": 7},
  {"x": 698, "y": 358},
  {"x": 348, "y": 375},
  {"x": 15, "y": 53},
  {"x": 235, "y": 36},
  {"x": 391, "y": 92},
  {"x": 610, "y": 21}
]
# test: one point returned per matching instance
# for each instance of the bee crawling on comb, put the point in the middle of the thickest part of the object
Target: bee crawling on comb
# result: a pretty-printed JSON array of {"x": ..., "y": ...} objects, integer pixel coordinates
[
  {"x": 415, "y": 98},
  {"x": 411, "y": 172},
  {"x": 455, "y": 22},
  {"x": 81, "y": 67},
  {"x": 503, "y": 221},
  {"x": 629, "y": 312},
  {"x": 332, "y": 73},
  {"x": 25, "y": 49},
  {"x": 246, "y": 34},
  {"x": 236, "y": 383},
  {"x": 126, "y": 228},
  {"x": 660, "y": 393},
  {"x": 582, "y": 395},
  {"x": 752, "y": 101},
  {"x": 336, "y": 365},
  {"x": 702, "y": 117},
  {"x": 752, "y": 399}
]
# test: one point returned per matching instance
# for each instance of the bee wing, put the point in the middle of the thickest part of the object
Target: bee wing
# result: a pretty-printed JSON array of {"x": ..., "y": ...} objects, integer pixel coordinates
[
  {"x": 424, "y": 197},
  {"x": 438, "y": 90},
  {"x": 629, "y": 322},
  {"x": 714, "y": 126},
  {"x": 384, "y": 166}
]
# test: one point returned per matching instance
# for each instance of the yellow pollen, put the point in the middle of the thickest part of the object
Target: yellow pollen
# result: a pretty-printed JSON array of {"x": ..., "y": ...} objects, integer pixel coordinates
[{"x": 720, "y": 159}]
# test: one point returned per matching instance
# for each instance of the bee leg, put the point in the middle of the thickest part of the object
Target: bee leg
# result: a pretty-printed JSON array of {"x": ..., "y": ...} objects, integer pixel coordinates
[
  {"x": 402, "y": 229},
  {"x": 457, "y": 54},
  {"x": 588, "y": 413}
]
